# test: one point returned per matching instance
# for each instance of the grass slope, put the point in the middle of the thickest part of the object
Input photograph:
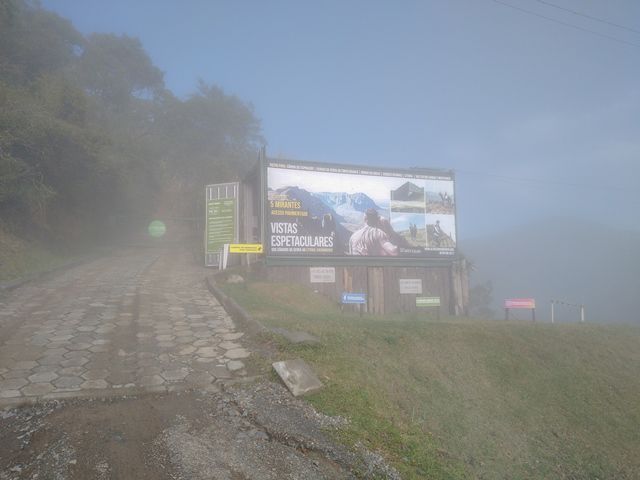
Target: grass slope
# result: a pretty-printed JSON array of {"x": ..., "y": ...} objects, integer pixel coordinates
[
  {"x": 20, "y": 258},
  {"x": 470, "y": 399}
]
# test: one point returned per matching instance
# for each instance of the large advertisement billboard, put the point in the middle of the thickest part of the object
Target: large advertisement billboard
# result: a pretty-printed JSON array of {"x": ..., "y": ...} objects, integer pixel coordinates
[{"x": 322, "y": 210}]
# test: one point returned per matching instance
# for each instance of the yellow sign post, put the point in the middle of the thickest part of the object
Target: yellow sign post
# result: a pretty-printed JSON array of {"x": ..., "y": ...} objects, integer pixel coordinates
[{"x": 245, "y": 248}]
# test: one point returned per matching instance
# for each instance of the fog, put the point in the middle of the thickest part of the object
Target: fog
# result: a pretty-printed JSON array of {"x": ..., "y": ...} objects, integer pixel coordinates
[{"x": 536, "y": 108}]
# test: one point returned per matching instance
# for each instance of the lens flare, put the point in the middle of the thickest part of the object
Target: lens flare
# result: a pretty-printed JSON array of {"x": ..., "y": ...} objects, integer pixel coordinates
[{"x": 157, "y": 229}]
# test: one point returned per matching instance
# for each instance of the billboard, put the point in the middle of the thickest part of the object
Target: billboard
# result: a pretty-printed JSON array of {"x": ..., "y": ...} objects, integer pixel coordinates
[{"x": 325, "y": 210}]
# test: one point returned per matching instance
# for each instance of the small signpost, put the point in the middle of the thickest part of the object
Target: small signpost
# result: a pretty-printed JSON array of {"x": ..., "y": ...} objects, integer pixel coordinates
[
  {"x": 245, "y": 248},
  {"x": 349, "y": 298},
  {"x": 410, "y": 285},
  {"x": 322, "y": 274},
  {"x": 429, "y": 302},
  {"x": 520, "y": 304}
]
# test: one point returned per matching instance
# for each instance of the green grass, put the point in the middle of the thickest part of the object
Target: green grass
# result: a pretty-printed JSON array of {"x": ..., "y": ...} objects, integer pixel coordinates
[{"x": 468, "y": 398}]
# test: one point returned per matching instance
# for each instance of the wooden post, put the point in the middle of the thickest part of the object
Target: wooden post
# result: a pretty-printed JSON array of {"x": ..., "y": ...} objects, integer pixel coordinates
[
  {"x": 581, "y": 313},
  {"x": 552, "y": 312}
]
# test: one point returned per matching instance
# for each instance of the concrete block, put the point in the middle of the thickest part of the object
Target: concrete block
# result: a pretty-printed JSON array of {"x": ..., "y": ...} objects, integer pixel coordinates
[{"x": 297, "y": 376}]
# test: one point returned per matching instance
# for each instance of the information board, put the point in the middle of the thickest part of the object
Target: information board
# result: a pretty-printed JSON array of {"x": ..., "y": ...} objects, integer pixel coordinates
[{"x": 221, "y": 223}]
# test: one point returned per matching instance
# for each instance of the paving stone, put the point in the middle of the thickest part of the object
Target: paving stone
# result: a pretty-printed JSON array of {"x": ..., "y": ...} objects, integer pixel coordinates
[
  {"x": 229, "y": 345},
  {"x": 187, "y": 350},
  {"x": 235, "y": 365},
  {"x": 42, "y": 377},
  {"x": 10, "y": 393},
  {"x": 220, "y": 372},
  {"x": 79, "y": 346},
  {"x": 148, "y": 371},
  {"x": 17, "y": 374},
  {"x": 25, "y": 365},
  {"x": 61, "y": 338},
  {"x": 86, "y": 328},
  {"x": 99, "y": 348},
  {"x": 94, "y": 384},
  {"x": 207, "y": 352},
  {"x": 120, "y": 377},
  {"x": 232, "y": 336},
  {"x": 12, "y": 384},
  {"x": 56, "y": 351},
  {"x": 74, "y": 362},
  {"x": 45, "y": 368},
  {"x": 184, "y": 340},
  {"x": 237, "y": 353},
  {"x": 164, "y": 338},
  {"x": 37, "y": 389},
  {"x": 71, "y": 371},
  {"x": 76, "y": 354},
  {"x": 68, "y": 382},
  {"x": 151, "y": 380},
  {"x": 174, "y": 375},
  {"x": 95, "y": 374},
  {"x": 184, "y": 333},
  {"x": 51, "y": 360}
]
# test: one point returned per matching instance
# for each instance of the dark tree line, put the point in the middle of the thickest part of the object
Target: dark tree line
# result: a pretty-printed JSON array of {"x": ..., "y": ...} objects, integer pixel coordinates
[{"x": 89, "y": 131}]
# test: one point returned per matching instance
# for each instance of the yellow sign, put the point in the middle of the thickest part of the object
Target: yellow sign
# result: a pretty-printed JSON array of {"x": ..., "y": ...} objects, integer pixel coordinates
[{"x": 245, "y": 248}]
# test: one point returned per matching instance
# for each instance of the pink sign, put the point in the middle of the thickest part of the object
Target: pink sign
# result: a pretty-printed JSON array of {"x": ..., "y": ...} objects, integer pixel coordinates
[{"x": 529, "y": 303}]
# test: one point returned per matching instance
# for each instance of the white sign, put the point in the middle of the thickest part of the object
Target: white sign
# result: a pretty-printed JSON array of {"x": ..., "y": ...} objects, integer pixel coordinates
[
  {"x": 411, "y": 285},
  {"x": 322, "y": 274}
]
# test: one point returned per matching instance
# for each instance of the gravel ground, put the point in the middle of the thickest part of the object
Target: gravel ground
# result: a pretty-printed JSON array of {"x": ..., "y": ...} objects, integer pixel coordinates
[{"x": 253, "y": 431}]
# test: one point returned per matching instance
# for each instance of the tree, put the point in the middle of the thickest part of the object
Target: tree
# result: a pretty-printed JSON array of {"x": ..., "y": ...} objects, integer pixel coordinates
[
  {"x": 116, "y": 69},
  {"x": 480, "y": 299}
]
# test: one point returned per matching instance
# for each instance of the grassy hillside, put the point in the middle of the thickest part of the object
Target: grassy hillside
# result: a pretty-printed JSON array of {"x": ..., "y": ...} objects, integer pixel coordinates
[
  {"x": 470, "y": 399},
  {"x": 20, "y": 257}
]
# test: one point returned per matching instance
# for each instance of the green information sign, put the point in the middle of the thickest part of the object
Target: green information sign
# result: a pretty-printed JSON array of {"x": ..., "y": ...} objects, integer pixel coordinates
[
  {"x": 221, "y": 223},
  {"x": 427, "y": 301}
]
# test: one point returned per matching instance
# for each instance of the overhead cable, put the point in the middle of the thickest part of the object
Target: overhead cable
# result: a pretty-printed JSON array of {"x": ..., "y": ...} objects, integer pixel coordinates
[
  {"x": 567, "y": 24},
  {"x": 590, "y": 17}
]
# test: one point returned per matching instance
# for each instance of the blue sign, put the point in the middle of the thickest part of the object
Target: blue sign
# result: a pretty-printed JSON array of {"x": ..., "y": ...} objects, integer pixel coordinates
[{"x": 354, "y": 298}]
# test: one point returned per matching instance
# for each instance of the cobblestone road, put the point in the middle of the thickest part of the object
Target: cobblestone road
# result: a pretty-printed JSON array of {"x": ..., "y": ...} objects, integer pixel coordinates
[{"x": 141, "y": 319}]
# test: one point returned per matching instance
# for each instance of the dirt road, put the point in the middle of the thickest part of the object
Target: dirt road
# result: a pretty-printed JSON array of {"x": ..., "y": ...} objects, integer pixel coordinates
[{"x": 126, "y": 367}]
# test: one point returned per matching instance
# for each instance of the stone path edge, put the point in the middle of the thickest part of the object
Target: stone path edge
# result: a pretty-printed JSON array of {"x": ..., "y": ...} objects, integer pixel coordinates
[
  {"x": 236, "y": 311},
  {"x": 243, "y": 317},
  {"x": 35, "y": 276},
  {"x": 217, "y": 387}
]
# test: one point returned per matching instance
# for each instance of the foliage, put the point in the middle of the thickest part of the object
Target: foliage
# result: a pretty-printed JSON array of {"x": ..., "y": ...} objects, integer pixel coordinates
[
  {"x": 480, "y": 299},
  {"x": 88, "y": 130}
]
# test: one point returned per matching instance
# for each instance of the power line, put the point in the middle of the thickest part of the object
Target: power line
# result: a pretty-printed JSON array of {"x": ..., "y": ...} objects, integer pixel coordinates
[
  {"x": 590, "y": 17},
  {"x": 566, "y": 24},
  {"x": 544, "y": 182}
]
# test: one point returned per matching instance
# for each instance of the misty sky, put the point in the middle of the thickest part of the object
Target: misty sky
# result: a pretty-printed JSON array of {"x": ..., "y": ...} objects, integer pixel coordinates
[{"x": 502, "y": 96}]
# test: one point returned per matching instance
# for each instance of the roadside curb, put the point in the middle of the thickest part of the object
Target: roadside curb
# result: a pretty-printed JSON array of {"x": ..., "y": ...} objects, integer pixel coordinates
[{"x": 236, "y": 311}]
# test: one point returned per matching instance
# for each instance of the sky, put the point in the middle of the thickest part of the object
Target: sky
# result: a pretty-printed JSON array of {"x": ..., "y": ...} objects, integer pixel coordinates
[{"x": 538, "y": 116}]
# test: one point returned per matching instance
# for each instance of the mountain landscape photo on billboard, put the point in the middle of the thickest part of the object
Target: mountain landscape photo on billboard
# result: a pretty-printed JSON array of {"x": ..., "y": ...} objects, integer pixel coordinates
[{"x": 327, "y": 213}]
